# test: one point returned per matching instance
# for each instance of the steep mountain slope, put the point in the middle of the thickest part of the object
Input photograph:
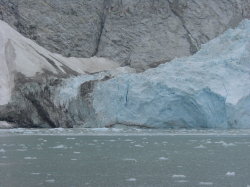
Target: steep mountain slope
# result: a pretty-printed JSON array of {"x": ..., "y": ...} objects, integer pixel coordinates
[
  {"x": 29, "y": 74},
  {"x": 137, "y": 33},
  {"x": 22, "y": 57}
]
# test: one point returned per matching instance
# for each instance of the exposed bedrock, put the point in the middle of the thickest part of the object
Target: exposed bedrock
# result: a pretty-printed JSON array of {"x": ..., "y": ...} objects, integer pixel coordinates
[{"x": 137, "y": 33}]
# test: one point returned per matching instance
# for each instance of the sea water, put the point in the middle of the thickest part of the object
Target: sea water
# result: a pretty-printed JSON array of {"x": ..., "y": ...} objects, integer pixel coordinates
[{"x": 120, "y": 157}]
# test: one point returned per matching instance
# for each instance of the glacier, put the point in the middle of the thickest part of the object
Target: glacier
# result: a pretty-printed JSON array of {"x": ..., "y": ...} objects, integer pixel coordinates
[
  {"x": 207, "y": 90},
  {"x": 210, "y": 89}
]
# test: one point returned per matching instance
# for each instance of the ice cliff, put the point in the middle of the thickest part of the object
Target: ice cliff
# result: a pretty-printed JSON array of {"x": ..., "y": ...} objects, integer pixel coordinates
[
  {"x": 210, "y": 89},
  {"x": 207, "y": 90}
]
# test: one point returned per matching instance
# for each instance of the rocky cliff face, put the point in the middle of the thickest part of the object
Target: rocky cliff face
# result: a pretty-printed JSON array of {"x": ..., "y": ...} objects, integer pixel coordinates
[{"x": 137, "y": 33}]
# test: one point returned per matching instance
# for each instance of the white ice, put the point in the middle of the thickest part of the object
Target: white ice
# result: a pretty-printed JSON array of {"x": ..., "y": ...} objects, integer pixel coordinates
[{"x": 209, "y": 89}]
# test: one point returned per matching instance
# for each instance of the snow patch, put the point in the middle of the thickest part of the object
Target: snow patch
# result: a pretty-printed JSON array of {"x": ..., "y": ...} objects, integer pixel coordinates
[{"x": 22, "y": 55}]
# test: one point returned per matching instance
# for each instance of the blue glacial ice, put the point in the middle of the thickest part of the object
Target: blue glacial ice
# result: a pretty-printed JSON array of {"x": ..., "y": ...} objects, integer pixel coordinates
[{"x": 210, "y": 89}]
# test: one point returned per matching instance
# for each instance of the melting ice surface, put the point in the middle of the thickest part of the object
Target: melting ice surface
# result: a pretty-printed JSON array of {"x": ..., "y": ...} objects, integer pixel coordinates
[
  {"x": 124, "y": 157},
  {"x": 209, "y": 89}
]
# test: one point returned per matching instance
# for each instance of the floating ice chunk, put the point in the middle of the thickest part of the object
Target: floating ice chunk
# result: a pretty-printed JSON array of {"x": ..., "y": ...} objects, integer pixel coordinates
[
  {"x": 70, "y": 138},
  {"x": 131, "y": 179},
  {"x": 178, "y": 176},
  {"x": 138, "y": 145},
  {"x": 225, "y": 144},
  {"x": 163, "y": 158},
  {"x": 181, "y": 181},
  {"x": 128, "y": 140},
  {"x": 59, "y": 147},
  {"x": 21, "y": 149},
  {"x": 2, "y": 151},
  {"x": 200, "y": 147},
  {"x": 129, "y": 159},
  {"x": 73, "y": 159},
  {"x": 206, "y": 183},
  {"x": 208, "y": 141},
  {"x": 41, "y": 139},
  {"x": 75, "y": 152},
  {"x": 50, "y": 181},
  {"x": 230, "y": 174},
  {"x": 35, "y": 173},
  {"x": 30, "y": 158}
]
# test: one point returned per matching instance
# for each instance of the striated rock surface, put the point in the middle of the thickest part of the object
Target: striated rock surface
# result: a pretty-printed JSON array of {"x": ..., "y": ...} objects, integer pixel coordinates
[{"x": 137, "y": 33}]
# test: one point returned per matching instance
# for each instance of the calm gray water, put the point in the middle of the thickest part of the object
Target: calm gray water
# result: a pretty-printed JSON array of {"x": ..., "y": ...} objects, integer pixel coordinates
[{"x": 79, "y": 157}]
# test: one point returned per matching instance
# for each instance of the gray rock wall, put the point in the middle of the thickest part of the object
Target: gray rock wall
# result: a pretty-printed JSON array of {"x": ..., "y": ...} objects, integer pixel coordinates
[
  {"x": 139, "y": 33},
  {"x": 71, "y": 28}
]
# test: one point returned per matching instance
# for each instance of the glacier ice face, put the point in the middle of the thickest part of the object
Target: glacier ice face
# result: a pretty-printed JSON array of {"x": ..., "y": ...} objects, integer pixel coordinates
[
  {"x": 209, "y": 89},
  {"x": 239, "y": 117}
]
